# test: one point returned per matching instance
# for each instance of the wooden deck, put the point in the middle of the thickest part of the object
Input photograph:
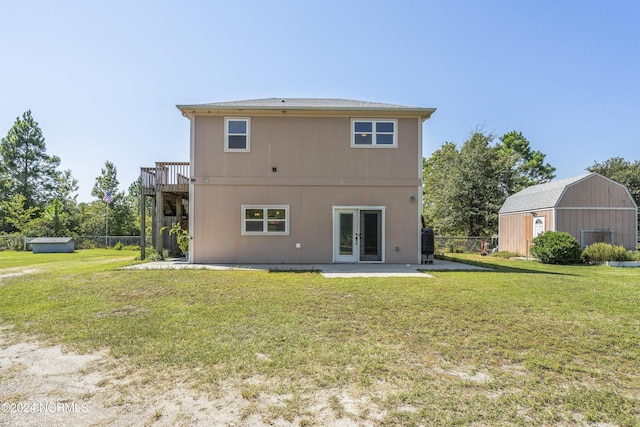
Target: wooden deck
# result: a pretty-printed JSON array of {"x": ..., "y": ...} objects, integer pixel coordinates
[
  {"x": 168, "y": 185},
  {"x": 167, "y": 177}
]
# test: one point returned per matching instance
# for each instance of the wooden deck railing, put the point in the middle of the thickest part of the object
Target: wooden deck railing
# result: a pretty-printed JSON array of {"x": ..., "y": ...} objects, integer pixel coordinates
[{"x": 165, "y": 176}]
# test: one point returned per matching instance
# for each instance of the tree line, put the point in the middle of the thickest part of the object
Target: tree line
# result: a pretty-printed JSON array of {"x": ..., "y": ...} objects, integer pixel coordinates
[
  {"x": 37, "y": 199},
  {"x": 464, "y": 187}
]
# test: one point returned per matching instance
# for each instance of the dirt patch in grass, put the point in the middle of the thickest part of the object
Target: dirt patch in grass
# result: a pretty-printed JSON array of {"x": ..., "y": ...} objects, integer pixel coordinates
[
  {"x": 47, "y": 385},
  {"x": 15, "y": 272}
]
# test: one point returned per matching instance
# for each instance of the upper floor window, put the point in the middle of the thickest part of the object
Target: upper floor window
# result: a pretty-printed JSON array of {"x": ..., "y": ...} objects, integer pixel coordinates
[
  {"x": 374, "y": 133},
  {"x": 237, "y": 135},
  {"x": 269, "y": 219}
]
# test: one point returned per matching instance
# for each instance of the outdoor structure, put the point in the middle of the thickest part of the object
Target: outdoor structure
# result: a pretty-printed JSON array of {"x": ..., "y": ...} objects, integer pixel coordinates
[
  {"x": 45, "y": 245},
  {"x": 304, "y": 181},
  {"x": 167, "y": 184},
  {"x": 590, "y": 207}
]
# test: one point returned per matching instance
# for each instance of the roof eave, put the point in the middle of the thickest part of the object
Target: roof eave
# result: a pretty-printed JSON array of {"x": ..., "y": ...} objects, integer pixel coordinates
[{"x": 190, "y": 111}]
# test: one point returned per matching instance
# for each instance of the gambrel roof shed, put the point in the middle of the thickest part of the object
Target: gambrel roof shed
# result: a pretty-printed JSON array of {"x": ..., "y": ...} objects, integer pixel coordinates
[
  {"x": 590, "y": 207},
  {"x": 541, "y": 196}
]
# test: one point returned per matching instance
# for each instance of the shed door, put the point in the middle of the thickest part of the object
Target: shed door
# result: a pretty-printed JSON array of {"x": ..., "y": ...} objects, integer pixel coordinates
[{"x": 538, "y": 226}]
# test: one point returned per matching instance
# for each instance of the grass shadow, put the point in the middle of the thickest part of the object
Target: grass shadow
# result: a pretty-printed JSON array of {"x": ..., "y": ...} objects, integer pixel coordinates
[
  {"x": 294, "y": 270},
  {"x": 499, "y": 268}
]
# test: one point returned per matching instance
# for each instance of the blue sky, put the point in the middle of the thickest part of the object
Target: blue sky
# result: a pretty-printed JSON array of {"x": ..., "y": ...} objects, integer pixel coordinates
[{"x": 103, "y": 78}]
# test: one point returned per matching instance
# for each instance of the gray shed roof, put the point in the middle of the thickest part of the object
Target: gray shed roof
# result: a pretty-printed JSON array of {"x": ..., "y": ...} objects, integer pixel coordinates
[
  {"x": 310, "y": 104},
  {"x": 51, "y": 240},
  {"x": 541, "y": 196}
]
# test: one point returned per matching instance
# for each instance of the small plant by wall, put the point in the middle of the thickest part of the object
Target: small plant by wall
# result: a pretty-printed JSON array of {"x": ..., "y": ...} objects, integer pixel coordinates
[{"x": 599, "y": 253}]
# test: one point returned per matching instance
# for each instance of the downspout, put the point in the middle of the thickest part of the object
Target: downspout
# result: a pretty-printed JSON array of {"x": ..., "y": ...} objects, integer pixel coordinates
[{"x": 143, "y": 224}]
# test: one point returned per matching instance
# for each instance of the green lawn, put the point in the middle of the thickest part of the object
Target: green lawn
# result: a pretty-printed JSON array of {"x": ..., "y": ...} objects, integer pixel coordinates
[{"x": 525, "y": 344}]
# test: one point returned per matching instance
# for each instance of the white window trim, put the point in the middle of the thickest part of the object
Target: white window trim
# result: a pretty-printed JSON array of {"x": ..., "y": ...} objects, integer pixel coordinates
[
  {"x": 373, "y": 142},
  {"x": 226, "y": 135},
  {"x": 265, "y": 220}
]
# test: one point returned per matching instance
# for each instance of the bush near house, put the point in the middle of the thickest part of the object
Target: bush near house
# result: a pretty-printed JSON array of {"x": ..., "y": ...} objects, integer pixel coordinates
[
  {"x": 598, "y": 253},
  {"x": 556, "y": 247}
]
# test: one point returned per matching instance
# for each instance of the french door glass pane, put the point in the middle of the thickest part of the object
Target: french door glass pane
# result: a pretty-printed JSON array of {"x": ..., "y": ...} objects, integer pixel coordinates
[
  {"x": 371, "y": 235},
  {"x": 346, "y": 234}
]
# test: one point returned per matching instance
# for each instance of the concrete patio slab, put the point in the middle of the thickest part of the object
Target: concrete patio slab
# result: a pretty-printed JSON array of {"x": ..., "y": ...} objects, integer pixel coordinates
[{"x": 327, "y": 270}]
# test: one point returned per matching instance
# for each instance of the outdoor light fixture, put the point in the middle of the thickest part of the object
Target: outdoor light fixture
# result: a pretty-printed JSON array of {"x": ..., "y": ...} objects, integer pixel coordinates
[{"x": 413, "y": 199}]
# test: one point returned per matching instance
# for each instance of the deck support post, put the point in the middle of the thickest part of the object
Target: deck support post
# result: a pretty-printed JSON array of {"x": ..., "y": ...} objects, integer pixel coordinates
[
  {"x": 159, "y": 221},
  {"x": 143, "y": 223},
  {"x": 179, "y": 209}
]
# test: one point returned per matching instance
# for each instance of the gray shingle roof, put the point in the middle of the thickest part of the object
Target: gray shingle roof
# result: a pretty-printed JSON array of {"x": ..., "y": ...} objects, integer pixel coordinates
[
  {"x": 51, "y": 240},
  {"x": 541, "y": 196},
  {"x": 307, "y": 104}
]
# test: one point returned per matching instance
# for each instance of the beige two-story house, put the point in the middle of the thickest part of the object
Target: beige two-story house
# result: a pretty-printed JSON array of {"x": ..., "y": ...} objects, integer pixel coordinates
[{"x": 283, "y": 180}]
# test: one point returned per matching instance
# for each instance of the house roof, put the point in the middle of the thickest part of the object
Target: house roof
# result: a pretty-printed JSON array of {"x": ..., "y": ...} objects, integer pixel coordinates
[
  {"x": 541, "y": 196},
  {"x": 304, "y": 104}
]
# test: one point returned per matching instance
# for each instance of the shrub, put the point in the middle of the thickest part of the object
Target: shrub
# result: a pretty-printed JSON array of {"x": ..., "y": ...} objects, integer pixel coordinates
[
  {"x": 603, "y": 252},
  {"x": 556, "y": 247},
  {"x": 118, "y": 246},
  {"x": 151, "y": 254},
  {"x": 505, "y": 254},
  {"x": 633, "y": 256}
]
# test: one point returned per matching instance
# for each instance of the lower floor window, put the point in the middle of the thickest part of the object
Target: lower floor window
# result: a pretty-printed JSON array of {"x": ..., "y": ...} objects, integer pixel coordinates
[{"x": 269, "y": 219}]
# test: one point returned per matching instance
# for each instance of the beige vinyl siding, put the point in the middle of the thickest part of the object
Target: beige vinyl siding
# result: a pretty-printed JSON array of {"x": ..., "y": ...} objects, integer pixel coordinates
[
  {"x": 217, "y": 236},
  {"x": 316, "y": 170},
  {"x": 303, "y": 147}
]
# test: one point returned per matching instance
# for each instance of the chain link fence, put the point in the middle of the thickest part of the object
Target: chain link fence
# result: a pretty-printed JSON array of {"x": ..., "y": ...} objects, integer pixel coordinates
[{"x": 453, "y": 244}]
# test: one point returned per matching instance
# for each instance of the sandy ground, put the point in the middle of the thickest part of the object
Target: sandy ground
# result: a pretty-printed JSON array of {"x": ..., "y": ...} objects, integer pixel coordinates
[
  {"x": 46, "y": 385},
  {"x": 43, "y": 385}
]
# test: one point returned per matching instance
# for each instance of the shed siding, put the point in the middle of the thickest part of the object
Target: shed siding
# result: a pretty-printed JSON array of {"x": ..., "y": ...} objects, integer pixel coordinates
[
  {"x": 596, "y": 191},
  {"x": 597, "y": 203},
  {"x": 49, "y": 248},
  {"x": 621, "y": 222},
  {"x": 516, "y": 230}
]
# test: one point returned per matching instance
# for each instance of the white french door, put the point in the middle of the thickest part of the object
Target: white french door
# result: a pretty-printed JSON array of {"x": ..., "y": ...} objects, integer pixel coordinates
[{"x": 358, "y": 234}]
